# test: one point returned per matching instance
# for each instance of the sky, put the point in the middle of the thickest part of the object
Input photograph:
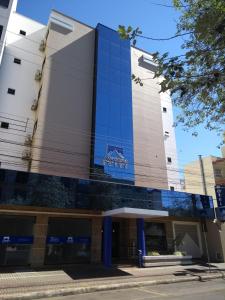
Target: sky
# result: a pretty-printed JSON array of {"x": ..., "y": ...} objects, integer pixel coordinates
[{"x": 155, "y": 21}]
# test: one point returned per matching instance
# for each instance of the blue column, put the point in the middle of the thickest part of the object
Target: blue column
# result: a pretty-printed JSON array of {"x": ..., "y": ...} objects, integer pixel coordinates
[
  {"x": 107, "y": 241},
  {"x": 141, "y": 236}
]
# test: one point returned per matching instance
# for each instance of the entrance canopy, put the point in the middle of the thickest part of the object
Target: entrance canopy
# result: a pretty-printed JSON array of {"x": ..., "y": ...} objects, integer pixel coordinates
[{"x": 127, "y": 212}]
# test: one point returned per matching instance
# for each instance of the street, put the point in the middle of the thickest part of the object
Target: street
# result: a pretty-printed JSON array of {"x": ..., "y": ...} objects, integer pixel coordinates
[{"x": 208, "y": 290}]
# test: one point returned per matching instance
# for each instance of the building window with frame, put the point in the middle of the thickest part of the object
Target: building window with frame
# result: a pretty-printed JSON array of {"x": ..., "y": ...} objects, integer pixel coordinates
[
  {"x": 169, "y": 159},
  {"x": 172, "y": 188},
  {"x": 218, "y": 172},
  {"x": 22, "y": 32},
  {"x": 4, "y": 3},
  {"x": 11, "y": 91},
  {"x": 164, "y": 109},
  {"x": 17, "y": 61},
  {"x": 1, "y": 30},
  {"x": 5, "y": 125}
]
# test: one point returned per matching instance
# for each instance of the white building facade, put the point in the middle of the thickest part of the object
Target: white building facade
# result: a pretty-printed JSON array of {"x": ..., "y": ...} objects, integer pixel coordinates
[{"x": 33, "y": 55}]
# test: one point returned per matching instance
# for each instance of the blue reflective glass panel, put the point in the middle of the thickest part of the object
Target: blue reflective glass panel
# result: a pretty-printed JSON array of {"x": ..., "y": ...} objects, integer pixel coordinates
[
  {"x": 112, "y": 150},
  {"x": 70, "y": 193}
]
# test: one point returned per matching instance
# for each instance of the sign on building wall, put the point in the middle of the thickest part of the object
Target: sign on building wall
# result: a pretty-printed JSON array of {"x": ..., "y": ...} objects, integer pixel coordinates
[
  {"x": 115, "y": 157},
  {"x": 68, "y": 240},
  {"x": 220, "y": 195},
  {"x": 23, "y": 240}
]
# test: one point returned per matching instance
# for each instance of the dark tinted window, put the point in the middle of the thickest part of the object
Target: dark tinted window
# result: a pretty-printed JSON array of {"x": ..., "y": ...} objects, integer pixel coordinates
[
  {"x": 164, "y": 109},
  {"x": 4, "y": 125},
  {"x": 22, "y": 32},
  {"x": 11, "y": 91},
  {"x": 17, "y": 61},
  {"x": 169, "y": 159},
  {"x": 1, "y": 29},
  {"x": 4, "y": 3}
]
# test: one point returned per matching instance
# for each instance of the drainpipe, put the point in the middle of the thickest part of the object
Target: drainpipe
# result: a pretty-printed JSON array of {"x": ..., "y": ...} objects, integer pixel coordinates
[
  {"x": 203, "y": 175},
  {"x": 204, "y": 224}
]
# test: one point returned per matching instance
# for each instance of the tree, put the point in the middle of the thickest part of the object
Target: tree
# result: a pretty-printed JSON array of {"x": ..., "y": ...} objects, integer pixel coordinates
[{"x": 196, "y": 79}]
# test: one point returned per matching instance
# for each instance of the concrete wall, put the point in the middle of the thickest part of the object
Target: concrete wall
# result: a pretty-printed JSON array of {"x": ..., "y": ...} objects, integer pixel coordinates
[
  {"x": 149, "y": 149},
  {"x": 16, "y": 109},
  {"x": 63, "y": 136}
]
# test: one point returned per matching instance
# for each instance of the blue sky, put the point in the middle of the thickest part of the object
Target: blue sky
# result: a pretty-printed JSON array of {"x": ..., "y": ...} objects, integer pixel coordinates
[{"x": 155, "y": 21}]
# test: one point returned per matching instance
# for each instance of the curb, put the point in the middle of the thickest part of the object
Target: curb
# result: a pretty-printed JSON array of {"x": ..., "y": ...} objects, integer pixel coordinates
[{"x": 100, "y": 288}]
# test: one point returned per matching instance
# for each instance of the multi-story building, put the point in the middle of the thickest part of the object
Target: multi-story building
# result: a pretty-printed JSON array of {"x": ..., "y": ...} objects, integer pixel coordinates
[
  {"x": 88, "y": 157},
  {"x": 204, "y": 176}
]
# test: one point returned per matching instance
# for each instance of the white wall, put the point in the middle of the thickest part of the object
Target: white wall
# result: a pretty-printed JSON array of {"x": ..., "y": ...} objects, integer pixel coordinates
[
  {"x": 5, "y": 14},
  {"x": 170, "y": 142},
  {"x": 16, "y": 109}
]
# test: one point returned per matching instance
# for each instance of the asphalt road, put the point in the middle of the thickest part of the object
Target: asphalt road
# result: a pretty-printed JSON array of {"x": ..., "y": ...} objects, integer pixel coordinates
[{"x": 208, "y": 290}]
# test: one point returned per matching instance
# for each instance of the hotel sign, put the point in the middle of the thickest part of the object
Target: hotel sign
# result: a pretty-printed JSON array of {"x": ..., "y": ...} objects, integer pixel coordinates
[
  {"x": 220, "y": 195},
  {"x": 115, "y": 157}
]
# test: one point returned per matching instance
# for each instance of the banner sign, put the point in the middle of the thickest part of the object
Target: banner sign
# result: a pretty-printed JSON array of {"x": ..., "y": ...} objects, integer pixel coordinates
[
  {"x": 55, "y": 240},
  {"x": 24, "y": 240},
  {"x": 220, "y": 212},
  {"x": 115, "y": 157},
  {"x": 220, "y": 195}
]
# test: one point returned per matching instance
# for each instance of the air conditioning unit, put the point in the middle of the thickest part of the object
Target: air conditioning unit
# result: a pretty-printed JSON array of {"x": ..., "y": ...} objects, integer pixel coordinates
[
  {"x": 28, "y": 140},
  {"x": 38, "y": 75},
  {"x": 26, "y": 155},
  {"x": 42, "y": 46},
  {"x": 34, "y": 105}
]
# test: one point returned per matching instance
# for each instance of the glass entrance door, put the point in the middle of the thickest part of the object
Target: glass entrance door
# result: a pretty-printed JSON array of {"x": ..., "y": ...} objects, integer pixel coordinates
[{"x": 115, "y": 240}]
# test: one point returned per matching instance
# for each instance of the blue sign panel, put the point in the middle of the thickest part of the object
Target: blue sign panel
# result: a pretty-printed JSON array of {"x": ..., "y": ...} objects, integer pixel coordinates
[
  {"x": 56, "y": 240},
  {"x": 23, "y": 240},
  {"x": 220, "y": 195}
]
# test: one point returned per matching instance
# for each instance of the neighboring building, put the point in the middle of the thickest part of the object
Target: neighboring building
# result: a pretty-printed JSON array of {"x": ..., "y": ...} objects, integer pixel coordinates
[
  {"x": 88, "y": 157},
  {"x": 201, "y": 177}
]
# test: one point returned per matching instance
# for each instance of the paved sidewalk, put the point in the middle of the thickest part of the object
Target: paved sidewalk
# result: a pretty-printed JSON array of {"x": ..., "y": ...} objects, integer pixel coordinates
[{"x": 35, "y": 284}]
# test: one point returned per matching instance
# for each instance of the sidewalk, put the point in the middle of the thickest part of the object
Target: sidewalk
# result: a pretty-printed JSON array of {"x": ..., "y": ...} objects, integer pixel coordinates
[{"x": 37, "y": 284}]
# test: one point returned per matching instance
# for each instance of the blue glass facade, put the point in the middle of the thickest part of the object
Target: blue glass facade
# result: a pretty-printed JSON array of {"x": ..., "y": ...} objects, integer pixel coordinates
[
  {"x": 112, "y": 144},
  {"x": 29, "y": 189}
]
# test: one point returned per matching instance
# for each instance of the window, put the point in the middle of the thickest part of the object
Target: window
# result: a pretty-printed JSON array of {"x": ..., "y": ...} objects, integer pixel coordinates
[
  {"x": 218, "y": 172},
  {"x": 169, "y": 159},
  {"x": 1, "y": 29},
  {"x": 164, "y": 109},
  {"x": 167, "y": 133},
  {"x": 5, "y": 125},
  {"x": 172, "y": 188},
  {"x": 4, "y": 3},
  {"x": 17, "y": 61},
  {"x": 22, "y": 32},
  {"x": 11, "y": 91}
]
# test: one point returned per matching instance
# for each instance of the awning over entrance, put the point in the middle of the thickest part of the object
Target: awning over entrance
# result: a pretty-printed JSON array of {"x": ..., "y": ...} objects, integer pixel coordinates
[{"x": 127, "y": 212}]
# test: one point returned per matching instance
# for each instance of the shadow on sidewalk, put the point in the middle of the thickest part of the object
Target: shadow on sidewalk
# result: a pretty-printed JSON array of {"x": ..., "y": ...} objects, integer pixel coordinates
[{"x": 75, "y": 272}]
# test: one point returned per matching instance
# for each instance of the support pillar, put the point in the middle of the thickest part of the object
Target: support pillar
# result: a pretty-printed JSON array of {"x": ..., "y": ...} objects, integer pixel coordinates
[
  {"x": 141, "y": 236},
  {"x": 38, "y": 248},
  {"x": 96, "y": 240},
  {"x": 107, "y": 241}
]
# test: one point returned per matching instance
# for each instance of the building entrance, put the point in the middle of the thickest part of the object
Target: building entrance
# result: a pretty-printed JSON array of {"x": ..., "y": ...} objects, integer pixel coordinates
[{"x": 115, "y": 240}]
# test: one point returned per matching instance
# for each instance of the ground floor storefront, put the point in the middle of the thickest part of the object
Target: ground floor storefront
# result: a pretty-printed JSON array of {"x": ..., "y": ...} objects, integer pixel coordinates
[{"x": 40, "y": 238}]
